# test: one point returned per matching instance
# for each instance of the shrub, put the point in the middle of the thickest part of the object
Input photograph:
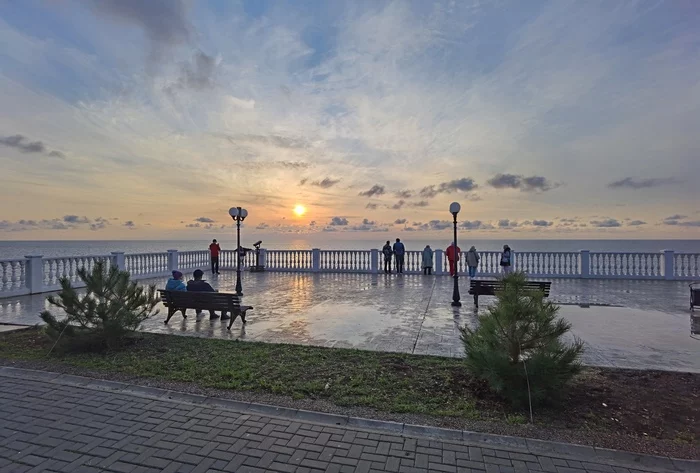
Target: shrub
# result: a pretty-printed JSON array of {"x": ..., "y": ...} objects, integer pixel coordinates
[
  {"x": 110, "y": 308},
  {"x": 518, "y": 340}
]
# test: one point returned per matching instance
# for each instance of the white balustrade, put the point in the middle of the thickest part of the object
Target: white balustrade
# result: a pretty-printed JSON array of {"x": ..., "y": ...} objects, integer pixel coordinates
[
  {"x": 146, "y": 264},
  {"x": 196, "y": 260},
  {"x": 548, "y": 264},
  {"x": 686, "y": 266},
  {"x": 13, "y": 277},
  {"x": 67, "y": 267},
  {"x": 345, "y": 261},
  {"x": 626, "y": 265},
  {"x": 36, "y": 274},
  {"x": 289, "y": 260}
]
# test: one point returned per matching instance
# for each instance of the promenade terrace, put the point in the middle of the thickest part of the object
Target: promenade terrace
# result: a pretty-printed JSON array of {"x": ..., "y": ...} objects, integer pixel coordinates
[{"x": 630, "y": 309}]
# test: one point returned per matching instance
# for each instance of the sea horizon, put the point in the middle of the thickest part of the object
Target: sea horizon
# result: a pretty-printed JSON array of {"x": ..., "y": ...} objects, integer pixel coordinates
[{"x": 14, "y": 249}]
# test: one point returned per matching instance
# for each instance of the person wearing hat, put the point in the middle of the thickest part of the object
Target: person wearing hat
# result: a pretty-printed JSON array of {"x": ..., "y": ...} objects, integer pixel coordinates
[{"x": 176, "y": 283}]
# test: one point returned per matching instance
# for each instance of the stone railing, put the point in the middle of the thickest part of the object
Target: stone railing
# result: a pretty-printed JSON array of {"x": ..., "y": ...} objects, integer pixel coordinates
[
  {"x": 35, "y": 274},
  {"x": 13, "y": 277}
]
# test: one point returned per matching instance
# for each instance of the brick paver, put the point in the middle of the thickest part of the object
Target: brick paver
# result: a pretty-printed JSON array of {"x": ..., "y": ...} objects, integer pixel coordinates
[{"x": 63, "y": 428}]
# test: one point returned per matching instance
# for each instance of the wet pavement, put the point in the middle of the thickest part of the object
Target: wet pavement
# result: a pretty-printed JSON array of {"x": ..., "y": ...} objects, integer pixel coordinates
[{"x": 629, "y": 324}]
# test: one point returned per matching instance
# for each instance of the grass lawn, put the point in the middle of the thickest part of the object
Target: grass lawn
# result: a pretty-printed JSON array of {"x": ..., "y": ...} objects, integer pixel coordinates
[
  {"x": 384, "y": 381},
  {"x": 648, "y": 405}
]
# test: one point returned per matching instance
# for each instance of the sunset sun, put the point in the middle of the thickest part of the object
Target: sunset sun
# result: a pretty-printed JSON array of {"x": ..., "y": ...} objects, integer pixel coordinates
[{"x": 299, "y": 210}]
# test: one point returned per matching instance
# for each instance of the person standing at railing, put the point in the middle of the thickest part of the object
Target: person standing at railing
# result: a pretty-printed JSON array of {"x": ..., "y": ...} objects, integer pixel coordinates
[
  {"x": 427, "y": 260},
  {"x": 453, "y": 254},
  {"x": 214, "y": 250},
  {"x": 506, "y": 260},
  {"x": 388, "y": 254},
  {"x": 399, "y": 254},
  {"x": 472, "y": 261}
]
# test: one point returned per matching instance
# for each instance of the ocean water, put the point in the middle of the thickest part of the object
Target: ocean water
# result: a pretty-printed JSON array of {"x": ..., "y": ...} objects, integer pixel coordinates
[{"x": 19, "y": 249}]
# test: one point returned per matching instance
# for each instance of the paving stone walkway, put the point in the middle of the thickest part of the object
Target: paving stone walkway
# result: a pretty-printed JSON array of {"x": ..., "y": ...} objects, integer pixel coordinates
[{"x": 59, "y": 423}]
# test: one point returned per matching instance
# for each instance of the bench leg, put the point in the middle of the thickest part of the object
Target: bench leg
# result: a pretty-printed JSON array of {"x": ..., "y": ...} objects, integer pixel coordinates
[
  {"x": 171, "y": 312},
  {"x": 476, "y": 300},
  {"x": 234, "y": 315}
]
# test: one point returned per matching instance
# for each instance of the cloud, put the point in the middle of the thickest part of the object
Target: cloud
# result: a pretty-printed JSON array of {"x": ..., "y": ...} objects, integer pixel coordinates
[
  {"x": 371, "y": 206},
  {"x": 631, "y": 183},
  {"x": 400, "y": 221},
  {"x": 338, "y": 222},
  {"x": 198, "y": 74},
  {"x": 99, "y": 224},
  {"x": 404, "y": 194},
  {"x": 75, "y": 219},
  {"x": 475, "y": 225},
  {"x": 636, "y": 223},
  {"x": 375, "y": 191},
  {"x": 312, "y": 223},
  {"x": 368, "y": 222},
  {"x": 164, "y": 22},
  {"x": 680, "y": 221},
  {"x": 129, "y": 224},
  {"x": 325, "y": 183},
  {"x": 262, "y": 226},
  {"x": 505, "y": 223},
  {"x": 57, "y": 154},
  {"x": 542, "y": 223},
  {"x": 522, "y": 183},
  {"x": 204, "y": 220},
  {"x": 20, "y": 143},
  {"x": 422, "y": 203},
  {"x": 606, "y": 223},
  {"x": 439, "y": 224},
  {"x": 329, "y": 229},
  {"x": 398, "y": 205},
  {"x": 465, "y": 184},
  {"x": 676, "y": 217}
]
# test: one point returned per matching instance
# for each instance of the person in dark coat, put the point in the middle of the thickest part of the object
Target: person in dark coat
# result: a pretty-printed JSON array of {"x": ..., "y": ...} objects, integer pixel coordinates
[{"x": 199, "y": 285}]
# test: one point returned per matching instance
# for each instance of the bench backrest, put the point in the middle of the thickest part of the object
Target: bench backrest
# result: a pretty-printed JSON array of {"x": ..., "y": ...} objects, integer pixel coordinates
[
  {"x": 200, "y": 300},
  {"x": 490, "y": 287}
]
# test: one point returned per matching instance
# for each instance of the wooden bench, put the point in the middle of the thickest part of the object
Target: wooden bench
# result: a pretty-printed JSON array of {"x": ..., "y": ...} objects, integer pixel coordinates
[
  {"x": 489, "y": 287},
  {"x": 222, "y": 301}
]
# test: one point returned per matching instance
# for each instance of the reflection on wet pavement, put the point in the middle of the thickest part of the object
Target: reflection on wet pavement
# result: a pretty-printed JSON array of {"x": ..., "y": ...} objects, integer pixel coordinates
[{"x": 412, "y": 313}]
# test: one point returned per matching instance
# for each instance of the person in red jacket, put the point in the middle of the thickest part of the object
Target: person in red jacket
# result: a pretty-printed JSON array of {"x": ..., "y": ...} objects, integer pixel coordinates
[
  {"x": 214, "y": 249},
  {"x": 453, "y": 257}
]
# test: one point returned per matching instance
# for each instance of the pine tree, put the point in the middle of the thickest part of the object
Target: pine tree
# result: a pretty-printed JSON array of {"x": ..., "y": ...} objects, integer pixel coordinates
[
  {"x": 110, "y": 307},
  {"x": 517, "y": 345}
]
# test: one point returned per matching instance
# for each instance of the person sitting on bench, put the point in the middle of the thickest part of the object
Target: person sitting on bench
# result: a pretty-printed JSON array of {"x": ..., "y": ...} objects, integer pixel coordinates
[
  {"x": 175, "y": 283},
  {"x": 199, "y": 285}
]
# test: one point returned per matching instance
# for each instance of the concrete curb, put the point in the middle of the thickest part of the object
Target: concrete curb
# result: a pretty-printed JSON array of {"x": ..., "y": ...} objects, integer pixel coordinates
[{"x": 566, "y": 451}]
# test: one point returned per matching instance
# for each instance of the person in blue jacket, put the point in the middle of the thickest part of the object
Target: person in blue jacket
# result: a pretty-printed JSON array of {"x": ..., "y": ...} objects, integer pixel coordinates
[
  {"x": 399, "y": 254},
  {"x": 176, "y": 283}
]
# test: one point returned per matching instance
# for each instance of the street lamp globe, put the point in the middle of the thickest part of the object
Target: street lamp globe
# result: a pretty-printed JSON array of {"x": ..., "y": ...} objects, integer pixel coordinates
[
  {"x": 455, "y": 208},
  {"x": 243, "y": 214},
  {"x": 233, "y": 212}
]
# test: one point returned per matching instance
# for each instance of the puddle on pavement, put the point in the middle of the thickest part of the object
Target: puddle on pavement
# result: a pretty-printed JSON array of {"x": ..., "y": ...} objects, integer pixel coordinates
[{"x": 352, "y": 323}]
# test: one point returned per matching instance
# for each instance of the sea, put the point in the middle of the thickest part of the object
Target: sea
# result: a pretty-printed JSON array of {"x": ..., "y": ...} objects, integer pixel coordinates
[{"x": 61, "y": 248}]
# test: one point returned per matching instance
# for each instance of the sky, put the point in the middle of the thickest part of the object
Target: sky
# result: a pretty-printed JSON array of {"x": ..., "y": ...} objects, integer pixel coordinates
[{"x": 543, "y": 119}]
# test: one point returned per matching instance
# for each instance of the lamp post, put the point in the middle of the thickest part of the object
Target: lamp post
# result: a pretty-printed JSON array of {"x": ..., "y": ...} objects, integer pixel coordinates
[
  {"x": 238, "y": 215},
  {"x": 454, "y": 210}
]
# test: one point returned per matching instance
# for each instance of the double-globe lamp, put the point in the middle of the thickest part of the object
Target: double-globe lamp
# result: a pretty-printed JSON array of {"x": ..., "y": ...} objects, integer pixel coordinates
[
  {"x": 238, "y": 215},
  {"x": 454, "y": 210}
]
